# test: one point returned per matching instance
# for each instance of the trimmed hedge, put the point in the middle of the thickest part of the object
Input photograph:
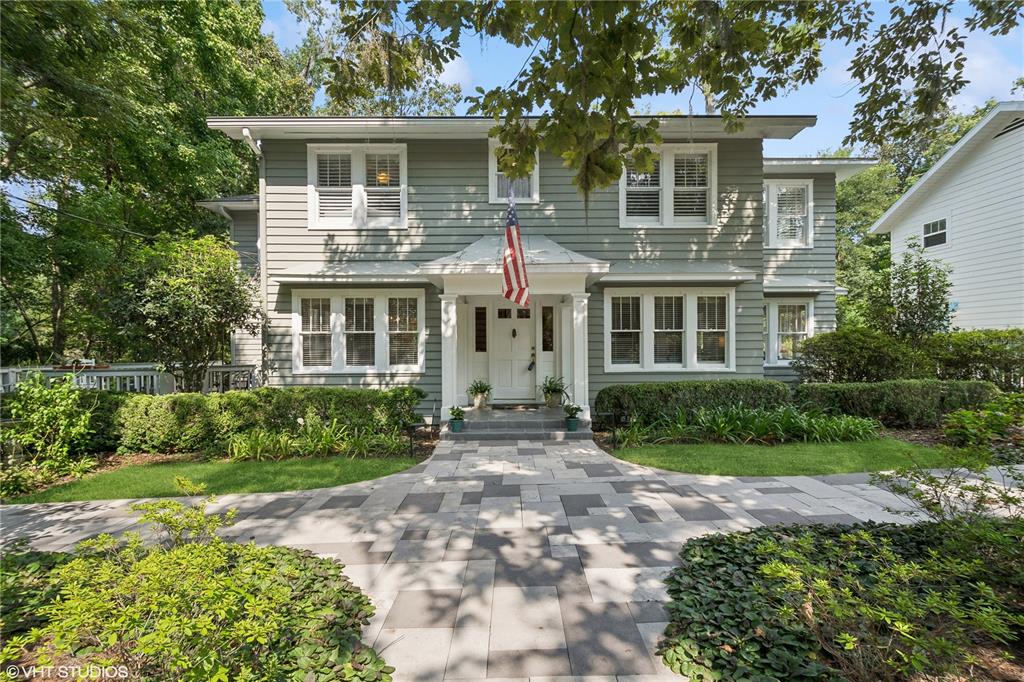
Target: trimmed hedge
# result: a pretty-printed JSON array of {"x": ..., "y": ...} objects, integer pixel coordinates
[
  {"x": 189, "y": 422},
  {"x": 901, "y": 403},
  {"x": 648, "y": 404},
  {"x": 995, "y": 355}
]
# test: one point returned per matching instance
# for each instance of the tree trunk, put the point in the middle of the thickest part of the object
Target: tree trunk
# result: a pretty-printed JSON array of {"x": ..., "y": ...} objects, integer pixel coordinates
[
  {"x": 30, "y": 326},
  {"x": 58, "y": 302},
  {"x": 710, "y": 104}
]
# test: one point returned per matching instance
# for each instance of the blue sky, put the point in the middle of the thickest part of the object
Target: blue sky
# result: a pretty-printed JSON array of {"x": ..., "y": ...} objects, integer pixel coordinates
[{"x": 992, "y": 65}]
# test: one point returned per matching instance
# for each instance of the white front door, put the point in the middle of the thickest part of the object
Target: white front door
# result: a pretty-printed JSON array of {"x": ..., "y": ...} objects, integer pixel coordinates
[{"x": 512, "y": 352}]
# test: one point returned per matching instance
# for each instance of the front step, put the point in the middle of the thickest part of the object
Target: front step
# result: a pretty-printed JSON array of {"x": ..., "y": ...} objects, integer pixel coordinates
[{"x": 491, "y": 435}]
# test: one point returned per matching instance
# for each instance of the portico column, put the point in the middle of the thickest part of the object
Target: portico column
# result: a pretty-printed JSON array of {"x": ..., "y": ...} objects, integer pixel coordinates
[
  {"x": 449, "y": 352},
  {"x": 580, "y": 380}
]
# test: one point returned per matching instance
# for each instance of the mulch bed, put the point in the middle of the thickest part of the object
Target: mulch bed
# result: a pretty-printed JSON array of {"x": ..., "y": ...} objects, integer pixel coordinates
[{"x": 932, "y": 437}]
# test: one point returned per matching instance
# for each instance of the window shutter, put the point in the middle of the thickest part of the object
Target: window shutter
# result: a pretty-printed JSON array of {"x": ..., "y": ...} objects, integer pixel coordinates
[
  {"x": 712, "y": 324},
  {"x": 521, "y": 186},
  {"x": 791, "y": 211},
  {"x": 625, "y": 330},
  {"x": 315, "y": 314},
  {"x": 334, "y": 185},
  {"x": 383, "y": 185},
  {"x": 643, "y": 192},
  {"x": 359, "y": 335},
  {"x": 668, "y": 329},
  {"x": 691, "y": 186},
  {"x": 403, "y": 334}
]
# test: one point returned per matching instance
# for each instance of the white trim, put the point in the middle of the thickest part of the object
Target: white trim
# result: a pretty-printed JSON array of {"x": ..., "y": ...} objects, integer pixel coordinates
[
  {"x": 690, "y": 363},
  {"x": 947, "y": 231},
  {"x": 842, "y": 169},
  {"x": 380, "y": 329},
  {"x": 492, "y": 177},
  {"x": 771, "y": 211},
  {"x": 666, "y": 158},
  {"x": 668, "y": 278},
  {"x": 359, "y": 220},
  {"x": 773, "y": 327}
]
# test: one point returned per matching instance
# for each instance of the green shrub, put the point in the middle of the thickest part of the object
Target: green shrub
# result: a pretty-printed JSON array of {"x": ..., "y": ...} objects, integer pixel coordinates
[
  {"x": 995, "y": 355},
  {"x": 260, "y": 445},
  {"x": 649, "y": 403},
  {"x": 26, "y": 587},
  {"x": 898, "y": 404},
  {"x": 998, "y": 425},
  {"x": 856, "y": 354},
  {"x": 188, "y": 422},
  {"x": 865, "y": 603},
  {"x": 749, "y": 425}
]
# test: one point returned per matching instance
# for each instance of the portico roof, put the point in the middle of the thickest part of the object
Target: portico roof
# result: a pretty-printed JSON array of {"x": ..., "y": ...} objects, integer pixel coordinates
[
  {"x": 484, "y": 256},
  {"x": 366, "y": 271},
  {"x": 792, "y": 284}
]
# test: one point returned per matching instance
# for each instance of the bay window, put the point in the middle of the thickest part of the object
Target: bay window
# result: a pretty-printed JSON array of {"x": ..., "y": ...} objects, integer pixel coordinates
[
  {"x": 789, "y": 323},
  {"x": 679, "y": 190},
  {"x": 356, "y": 186},
  {"x": 358, "y": 331},
  {"x": 669, "y": 330}
]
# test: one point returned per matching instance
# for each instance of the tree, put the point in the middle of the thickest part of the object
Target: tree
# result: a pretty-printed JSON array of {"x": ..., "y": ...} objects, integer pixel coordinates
[
  {"x": 913, "y": 302},
  {"x": 104, "y": 124},
  {"x": 190, "y": 295},
  {"x": 591, "y": 61}
]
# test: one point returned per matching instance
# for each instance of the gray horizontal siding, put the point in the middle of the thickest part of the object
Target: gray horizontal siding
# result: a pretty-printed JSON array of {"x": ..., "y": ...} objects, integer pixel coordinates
[{"x": 245, "y": 235}]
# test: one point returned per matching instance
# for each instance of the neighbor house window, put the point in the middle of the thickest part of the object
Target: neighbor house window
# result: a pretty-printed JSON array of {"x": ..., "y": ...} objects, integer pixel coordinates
[
  {"x": 356, "y": 186},
  {"x": 789, "y": 324},
  {"x": 668, "y": 330},
  {"x": 315, "y": 334},
  {"x": 527, "y": 190},
  {"x": 358, "y": 331},
  {"x": 935, "y": 233},
  {"x": 678, "y": 190},
  {"x": 789, "y": 212}
]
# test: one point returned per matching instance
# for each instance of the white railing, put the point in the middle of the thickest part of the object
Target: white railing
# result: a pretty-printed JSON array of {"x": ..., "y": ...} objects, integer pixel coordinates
[{"x": 132, "y": 377}]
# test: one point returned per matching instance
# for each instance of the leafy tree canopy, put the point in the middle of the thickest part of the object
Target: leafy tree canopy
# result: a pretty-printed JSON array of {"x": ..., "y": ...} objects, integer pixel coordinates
[{"x": 591, "y": 61}]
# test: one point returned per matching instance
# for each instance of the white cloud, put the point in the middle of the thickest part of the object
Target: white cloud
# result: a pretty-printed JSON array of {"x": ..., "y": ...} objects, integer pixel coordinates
[
  {"x": 989, "y": 69},
  {"x": 457, "y": 71}
]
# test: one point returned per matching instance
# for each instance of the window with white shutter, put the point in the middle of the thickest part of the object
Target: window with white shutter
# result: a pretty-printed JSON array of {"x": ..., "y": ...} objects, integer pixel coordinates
[
  {"x": 669, "y": 328},
  {"x": 789, "y": 213},
  {"x": 661, "y": 329},
  {"x": 626, "y": 327},
  {"x": 403, "y": 332},
  {"x": 934, "y": 233},
  {"x": 789, "y": 323},
  {"x": 680, "y": 191},
  {"x": 712, "y": 329},
  {"x": 354, "y": 186},
  {"x": 315, "y": 336}
]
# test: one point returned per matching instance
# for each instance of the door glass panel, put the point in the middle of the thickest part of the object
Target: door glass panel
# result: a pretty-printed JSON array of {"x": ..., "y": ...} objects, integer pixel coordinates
[
  {"x": 504, "y": 313},
  {"x": 480, "y": 329},
  {"x": 522, "y": 313},
  {"x": 547, "y": 328}
]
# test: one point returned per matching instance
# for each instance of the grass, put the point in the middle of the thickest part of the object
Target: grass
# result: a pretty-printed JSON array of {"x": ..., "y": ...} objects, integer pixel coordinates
[
  {"x": 220, "y": 477},
  {"x": 790, "y": 459}
]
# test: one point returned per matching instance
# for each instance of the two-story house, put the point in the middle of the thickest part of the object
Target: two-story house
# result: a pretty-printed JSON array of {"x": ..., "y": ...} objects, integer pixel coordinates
[{"x": 378, "y": 246}]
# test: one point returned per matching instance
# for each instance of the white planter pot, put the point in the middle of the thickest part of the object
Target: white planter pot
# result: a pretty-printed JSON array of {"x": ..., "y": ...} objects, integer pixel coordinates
[{"x": 480, "y": 401}]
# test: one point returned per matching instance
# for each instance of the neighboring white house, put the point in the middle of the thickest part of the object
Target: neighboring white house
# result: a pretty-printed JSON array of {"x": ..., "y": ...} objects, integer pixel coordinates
[{"x": 968, "y": 211}]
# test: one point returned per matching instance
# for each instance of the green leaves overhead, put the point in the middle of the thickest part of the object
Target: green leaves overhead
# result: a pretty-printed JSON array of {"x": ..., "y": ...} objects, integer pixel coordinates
[{"x": 590, "y": 62}]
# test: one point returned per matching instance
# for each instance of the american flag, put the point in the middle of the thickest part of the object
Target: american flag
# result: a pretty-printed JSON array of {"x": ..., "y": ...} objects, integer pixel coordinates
[{"x": 517, "y": 285}]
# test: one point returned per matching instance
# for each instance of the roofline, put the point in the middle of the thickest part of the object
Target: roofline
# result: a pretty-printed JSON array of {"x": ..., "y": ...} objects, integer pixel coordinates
[
  {"x": 455, "y": 127},
  {"x": 222, "y": 206},
  {"x": 882, "y": 225},
  {"x": 842, "y": 168}
]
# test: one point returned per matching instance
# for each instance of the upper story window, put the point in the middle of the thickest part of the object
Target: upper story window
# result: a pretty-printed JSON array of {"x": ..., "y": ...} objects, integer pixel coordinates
[
  {"x": 356, "y": 186},
  {"x": 935, "y": 233},
  {"x": 789, "y": 211},
  {"x": 668, "y": 330},
  {"x": 680, "y": 190},
  {"x": 358, "y": 331},
  {"x": 788, "y": 323},
  {"x": 527, "y": 190}
]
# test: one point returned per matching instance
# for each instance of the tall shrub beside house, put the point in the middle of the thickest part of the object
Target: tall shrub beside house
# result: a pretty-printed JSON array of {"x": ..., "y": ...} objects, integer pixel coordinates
[{"x": 646, "y": 404}]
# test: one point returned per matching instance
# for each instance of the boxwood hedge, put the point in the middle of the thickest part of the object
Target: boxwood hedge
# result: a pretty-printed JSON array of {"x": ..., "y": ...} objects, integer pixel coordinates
[
  {"x": 646, "y": 404},
  {"x": 906, "y": 403}
]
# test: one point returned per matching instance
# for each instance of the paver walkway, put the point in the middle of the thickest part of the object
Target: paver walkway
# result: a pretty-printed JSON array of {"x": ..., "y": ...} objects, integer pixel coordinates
[{"x": 508, "y": 560}]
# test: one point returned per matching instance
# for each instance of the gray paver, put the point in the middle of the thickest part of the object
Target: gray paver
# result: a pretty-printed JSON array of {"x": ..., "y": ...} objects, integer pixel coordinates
[{"x": 508, "y": 559}]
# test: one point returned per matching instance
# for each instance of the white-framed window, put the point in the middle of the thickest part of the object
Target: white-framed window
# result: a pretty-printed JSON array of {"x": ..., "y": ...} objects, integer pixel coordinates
[
  {"x": 669, "y": 329},
  {"x": 358, "y": 331},
  {"x": 680, "y": 191},
  {"x": 788, "y": 323},
  {"x": 935, "y": 233},
  {"x": 357, "y": 186},
  {"x": 789, "y": 214},
  {"x": 527, "y": 190}
]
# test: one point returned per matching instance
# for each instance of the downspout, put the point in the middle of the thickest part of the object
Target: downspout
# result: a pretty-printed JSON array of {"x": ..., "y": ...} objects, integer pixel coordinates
[{"x": 257, "y": 148}]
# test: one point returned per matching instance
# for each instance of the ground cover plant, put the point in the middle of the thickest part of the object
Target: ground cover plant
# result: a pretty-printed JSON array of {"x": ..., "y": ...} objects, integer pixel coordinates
[
  {"x": 998, "y": 426},
  {"x": 193, "y": 606},
  {"x": 740, "y": 424}
]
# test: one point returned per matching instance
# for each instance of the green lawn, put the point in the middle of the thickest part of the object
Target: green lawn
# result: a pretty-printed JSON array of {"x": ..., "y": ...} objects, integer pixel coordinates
[
  {"x": 157, "y": 480},
  {"x": 790, "y": 459}
]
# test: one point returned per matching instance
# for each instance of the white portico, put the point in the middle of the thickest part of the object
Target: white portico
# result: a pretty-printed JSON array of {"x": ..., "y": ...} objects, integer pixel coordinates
[{"x": 485, "y": 336}]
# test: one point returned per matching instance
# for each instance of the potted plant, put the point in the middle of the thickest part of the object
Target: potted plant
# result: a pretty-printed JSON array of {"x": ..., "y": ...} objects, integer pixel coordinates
[
  {"x": 456, "y": 417},
  {"x": 553, "y": 389},
  {"x": 572, "y": 420},
  {"x": 479, "y": 391}
]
